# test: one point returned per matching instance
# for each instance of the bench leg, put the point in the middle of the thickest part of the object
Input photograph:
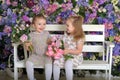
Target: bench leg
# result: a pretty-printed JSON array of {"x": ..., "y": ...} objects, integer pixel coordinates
[
  {"x": 15, "y": 73},
  {"x": 109, "y": 74},
  {"x": 106, "y": 74}
]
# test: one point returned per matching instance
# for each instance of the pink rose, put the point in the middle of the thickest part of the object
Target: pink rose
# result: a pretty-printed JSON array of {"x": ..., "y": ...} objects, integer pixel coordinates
[{"x": 24, "y": 38}]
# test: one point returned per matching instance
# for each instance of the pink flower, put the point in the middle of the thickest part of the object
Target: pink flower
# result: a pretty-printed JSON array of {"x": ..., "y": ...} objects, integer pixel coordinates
[
  {"x": 14, "y": 3},
  {"x": 51, "y": 8},
  {"x": 7, "y": 29},
  {"x": 57, "y": 55},
  {"x": 49, "y": 47},
  {"x": 8, "y": 2},
  {"x": 30, "y": 3},
  {"x": 53, "y": 44},
  {"x": 54, "y": 50},
  {"x": 67, "y": 6},
  {"x": 36, "y": 9},
  {"x": 117, "y": 38},
  {"x": 24, "y": 38},
  {"x": 108, "y": 25},
  {"x": 49, "y": 53}
]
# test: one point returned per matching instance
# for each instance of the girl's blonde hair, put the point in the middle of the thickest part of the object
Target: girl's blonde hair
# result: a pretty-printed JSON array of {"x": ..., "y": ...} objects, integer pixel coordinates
[
  {"x": 38, "y": 16},
  {"x": 77, "y": 22}
]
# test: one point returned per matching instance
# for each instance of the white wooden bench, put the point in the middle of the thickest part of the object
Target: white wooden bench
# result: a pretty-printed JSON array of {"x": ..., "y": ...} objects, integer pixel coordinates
[{"x": 104, "y": 64}]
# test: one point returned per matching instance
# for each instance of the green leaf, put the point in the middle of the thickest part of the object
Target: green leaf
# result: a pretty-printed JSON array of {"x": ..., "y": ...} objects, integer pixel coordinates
[
  {"x": 90, "y": 2},
  {"x": 60, "y": 1},
  {"x": 111, "y": 38},
  {"x": 68, "y": 57},
  {"x": 74, "y": 3}
]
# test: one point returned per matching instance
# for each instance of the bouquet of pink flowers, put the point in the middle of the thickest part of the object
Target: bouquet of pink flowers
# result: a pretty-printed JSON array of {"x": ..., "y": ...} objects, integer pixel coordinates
[
  {"x": 55, "y": 49},
  {"x": 20, "y": 33}
]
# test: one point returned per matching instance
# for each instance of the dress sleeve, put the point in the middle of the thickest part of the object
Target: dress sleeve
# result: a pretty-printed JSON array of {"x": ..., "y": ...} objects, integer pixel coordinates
[{"x": 81, "y": 41}]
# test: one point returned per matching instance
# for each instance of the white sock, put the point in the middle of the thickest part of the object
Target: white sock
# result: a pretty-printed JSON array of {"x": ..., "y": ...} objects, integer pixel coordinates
[
  {"x": 30, "y": 70},
  {"x": 48, "y": 71},
  {"x": 69, "y": 70},
  {"x": 56, "y": 72}
]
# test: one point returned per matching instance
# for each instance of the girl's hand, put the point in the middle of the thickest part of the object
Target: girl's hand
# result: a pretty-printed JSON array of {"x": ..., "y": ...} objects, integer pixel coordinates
[
  {"x": 27, "y": 45},
  {"x": 66, "y": 51},
  {"x": 49, "y": 41}
]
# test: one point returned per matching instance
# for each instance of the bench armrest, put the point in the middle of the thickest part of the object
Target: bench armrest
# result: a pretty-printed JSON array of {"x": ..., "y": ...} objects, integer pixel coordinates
[
  {"x": 15, "y": 46},
  {"x": 110, "y": 44}
]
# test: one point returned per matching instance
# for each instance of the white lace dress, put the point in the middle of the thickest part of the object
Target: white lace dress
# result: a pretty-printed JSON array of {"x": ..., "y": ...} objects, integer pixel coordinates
[{"x": 69, "y": 44}]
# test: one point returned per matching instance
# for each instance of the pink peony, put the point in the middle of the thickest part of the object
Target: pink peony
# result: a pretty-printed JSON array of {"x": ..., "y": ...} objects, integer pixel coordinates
[{"x": 24, "y": 38}]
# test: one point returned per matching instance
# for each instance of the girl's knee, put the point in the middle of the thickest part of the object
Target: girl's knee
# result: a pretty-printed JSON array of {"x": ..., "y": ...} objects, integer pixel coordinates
[
  {"x": 28, "y": 63},
  {"x": 68, "y": 64},
  {"x": 48, "y": 65}
]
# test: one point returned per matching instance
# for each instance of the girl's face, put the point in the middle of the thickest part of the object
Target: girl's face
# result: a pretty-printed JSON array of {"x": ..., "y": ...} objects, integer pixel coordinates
[
  {"x": 39, "y": 24},
  {"x": 70, "y": 27}
]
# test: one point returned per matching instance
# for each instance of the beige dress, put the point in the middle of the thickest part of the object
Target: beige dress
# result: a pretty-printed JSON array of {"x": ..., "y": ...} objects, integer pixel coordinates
[
  {"x": 39, "y": 42},
  {"x": 69, "y": 44}
]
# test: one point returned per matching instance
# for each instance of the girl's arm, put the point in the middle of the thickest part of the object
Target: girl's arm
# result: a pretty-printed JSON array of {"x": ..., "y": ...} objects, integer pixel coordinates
[{"x": 76, "y": 51}]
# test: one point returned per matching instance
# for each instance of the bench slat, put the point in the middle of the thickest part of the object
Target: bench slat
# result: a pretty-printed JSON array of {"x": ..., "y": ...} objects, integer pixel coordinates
[
  {"x": 57, "y": 27},
  {"x": 93, "y": 28},
  {"x": 94, "y": 38},
  {"x": 93, "y": 48}
]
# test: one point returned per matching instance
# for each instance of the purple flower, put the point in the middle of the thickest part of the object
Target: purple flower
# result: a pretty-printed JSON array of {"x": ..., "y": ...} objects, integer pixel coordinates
[
  {"x": 44, "y": 3},
  {"x": 9, "y": 12},
  {"x": 2, "y": 66},
  {"x": 111, "y": 17},
  {"x": 109, "y": 7},
  {"x": 4, "y": 6},
  {"x": 2, "y": 21},
  {"x": 100, "y": 1},
  {"x": 116, "y": 50},
  {"x": 82, "y": 3},
  {"x": 25, "y": 18},
  {"x": 14, "y": 18},
  {"x": 36, "y": 9},
  {"x": 102, "y": 20}
]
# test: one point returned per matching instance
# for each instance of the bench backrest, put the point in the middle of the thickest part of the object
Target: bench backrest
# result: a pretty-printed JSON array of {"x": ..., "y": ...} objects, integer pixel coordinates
[{"x": 94, "y": 34}]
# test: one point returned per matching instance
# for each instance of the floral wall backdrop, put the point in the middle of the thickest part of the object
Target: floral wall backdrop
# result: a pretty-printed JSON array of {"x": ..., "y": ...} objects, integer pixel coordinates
[{"x": 16, "y": 15}]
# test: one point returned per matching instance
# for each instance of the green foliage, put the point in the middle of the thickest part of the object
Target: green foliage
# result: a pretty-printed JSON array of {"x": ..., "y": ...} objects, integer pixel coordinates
[
  {"x": 68, "y": 57},
  {"x": 90, "y": 2}
]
